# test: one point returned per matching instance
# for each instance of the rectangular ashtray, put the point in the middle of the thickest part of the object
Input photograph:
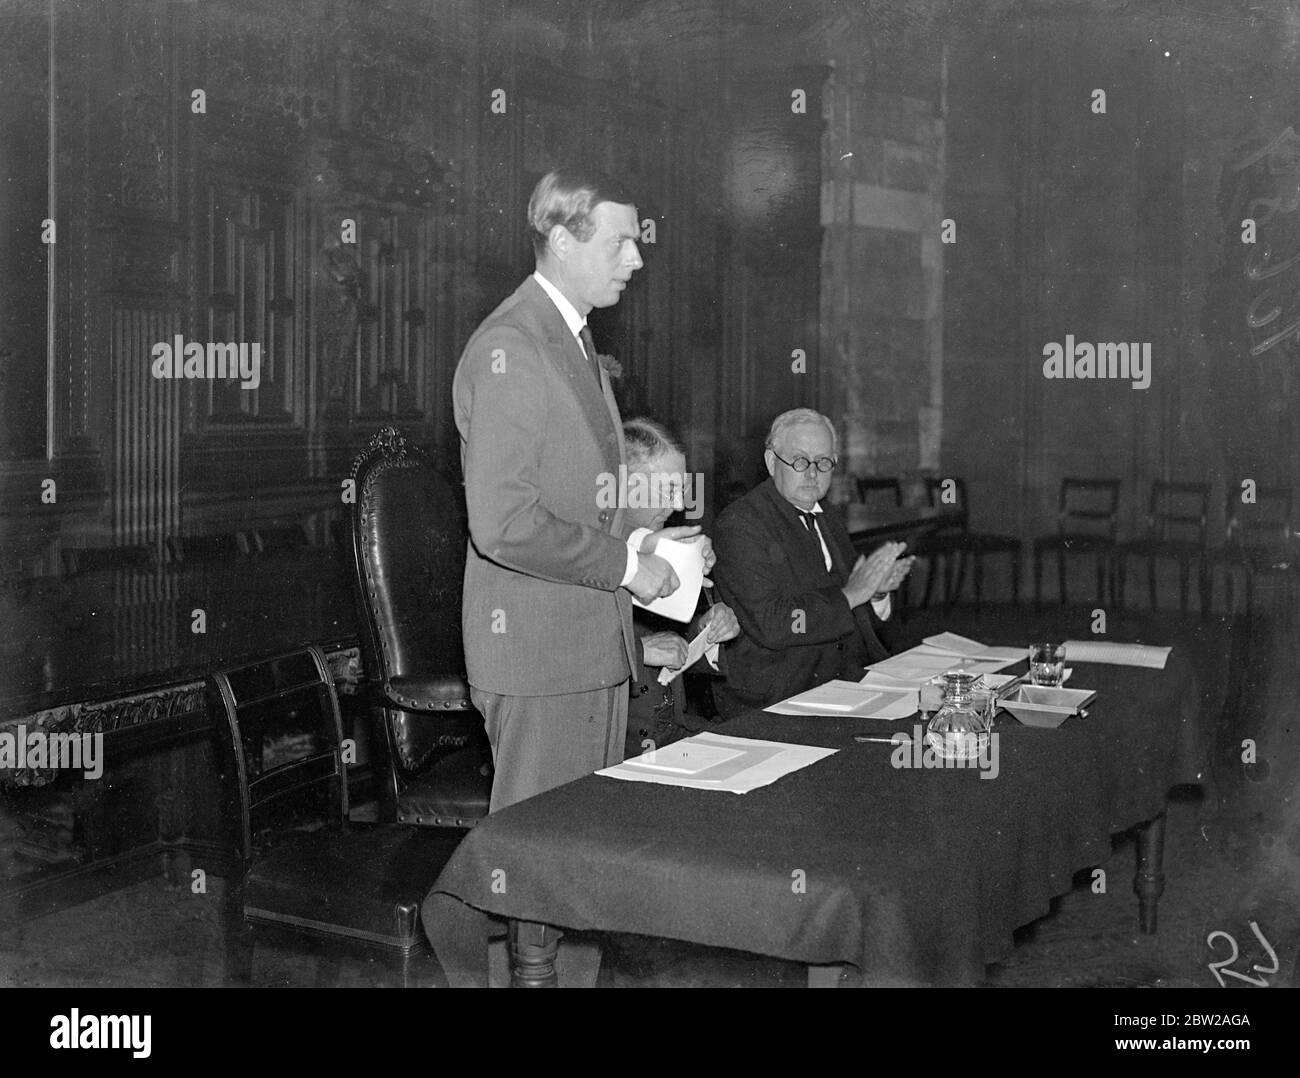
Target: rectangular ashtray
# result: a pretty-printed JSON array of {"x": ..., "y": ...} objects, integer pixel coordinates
[{"x": 1039, "y": 705}]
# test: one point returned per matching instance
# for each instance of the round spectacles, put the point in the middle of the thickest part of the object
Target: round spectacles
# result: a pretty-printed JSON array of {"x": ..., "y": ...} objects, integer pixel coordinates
[{"x": 802, "y": 464}]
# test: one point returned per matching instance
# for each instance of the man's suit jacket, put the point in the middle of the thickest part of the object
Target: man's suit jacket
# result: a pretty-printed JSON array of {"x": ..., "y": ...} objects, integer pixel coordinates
[
  {"x": 797, "y": 629},
  {"x": 543, "y": 611}
]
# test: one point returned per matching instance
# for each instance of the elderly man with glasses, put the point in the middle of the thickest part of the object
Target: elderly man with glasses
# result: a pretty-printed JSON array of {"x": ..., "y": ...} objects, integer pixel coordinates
[{"x": 807, "y": 602}]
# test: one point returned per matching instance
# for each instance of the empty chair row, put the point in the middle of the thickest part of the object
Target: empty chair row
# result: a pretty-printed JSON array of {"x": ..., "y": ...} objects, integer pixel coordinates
[{"x": 1260, "y": 539}]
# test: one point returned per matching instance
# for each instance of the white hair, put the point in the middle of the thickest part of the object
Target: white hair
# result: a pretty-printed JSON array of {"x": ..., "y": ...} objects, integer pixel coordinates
[{"x": 798, "y": 417}]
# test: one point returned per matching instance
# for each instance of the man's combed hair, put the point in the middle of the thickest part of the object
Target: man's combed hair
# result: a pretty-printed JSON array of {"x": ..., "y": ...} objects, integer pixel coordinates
[
  {"x": 797, "y": 417},
  {"x": 647, "y": 440},
  {"x": 567, "y": 197}
]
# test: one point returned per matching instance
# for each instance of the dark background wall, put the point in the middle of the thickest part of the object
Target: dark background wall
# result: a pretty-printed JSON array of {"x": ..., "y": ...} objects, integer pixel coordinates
[{"x": 776, "y": 230}]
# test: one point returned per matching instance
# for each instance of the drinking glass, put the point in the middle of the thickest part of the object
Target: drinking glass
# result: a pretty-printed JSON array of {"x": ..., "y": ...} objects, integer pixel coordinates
[{"x": 1046, "y": 663}]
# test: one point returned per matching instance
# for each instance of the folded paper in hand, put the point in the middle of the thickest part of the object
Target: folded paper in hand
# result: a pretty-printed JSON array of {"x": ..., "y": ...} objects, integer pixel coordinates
[
  {"x": 694, "y": 650},
  {"x": 687, "y": 560}
]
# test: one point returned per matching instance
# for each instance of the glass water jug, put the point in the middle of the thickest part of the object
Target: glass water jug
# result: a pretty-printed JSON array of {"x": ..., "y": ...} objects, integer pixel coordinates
[{"x": 960, "y": 728}]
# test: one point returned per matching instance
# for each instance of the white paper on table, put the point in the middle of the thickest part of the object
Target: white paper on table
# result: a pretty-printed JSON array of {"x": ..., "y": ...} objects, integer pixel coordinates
[
  {"x": 694, "y": 650},
  {"x": 687, "y": 560},
  {"x": 833, "y": 698},
  {"x": 758, "y": 763},
  {"x": 961, "y": 646},
  {"x": 686, "y": 757},
  {"x": 1096, "y": 651},
  {"x": 920, "y": 664}
]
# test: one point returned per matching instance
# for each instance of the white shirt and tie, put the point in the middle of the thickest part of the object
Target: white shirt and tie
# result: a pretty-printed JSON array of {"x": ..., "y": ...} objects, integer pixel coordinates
[{"x": 882, "y": 607}]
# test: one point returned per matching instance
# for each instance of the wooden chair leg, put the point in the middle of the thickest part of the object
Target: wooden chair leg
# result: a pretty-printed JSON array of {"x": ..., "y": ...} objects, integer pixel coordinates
[
  {"x": 958, "y": 581},
  {"x": 1060, "y": 574},
  {"x": 238, "y": 937},
  {"x": 978, "y": 558},
  {"x": 1183, "y": 568}
]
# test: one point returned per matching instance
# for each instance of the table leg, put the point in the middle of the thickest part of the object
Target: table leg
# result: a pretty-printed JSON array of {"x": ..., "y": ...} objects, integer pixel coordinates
[
  {"x": 532, "y": 955},
  {"x": 1150, "y": 879}
]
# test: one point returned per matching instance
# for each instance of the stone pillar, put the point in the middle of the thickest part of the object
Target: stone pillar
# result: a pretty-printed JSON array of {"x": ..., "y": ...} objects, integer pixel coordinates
[{"x": 882, "y": 272}]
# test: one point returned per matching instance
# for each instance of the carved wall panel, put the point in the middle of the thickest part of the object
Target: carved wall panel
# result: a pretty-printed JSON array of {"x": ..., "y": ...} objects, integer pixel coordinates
[{"x": 251, "y": 251}]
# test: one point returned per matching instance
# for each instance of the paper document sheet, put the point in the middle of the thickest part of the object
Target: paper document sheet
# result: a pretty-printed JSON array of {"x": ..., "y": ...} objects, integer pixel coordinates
[
  {"x": 1095, "y": 651},
  {"x": 732, "y": 764}
]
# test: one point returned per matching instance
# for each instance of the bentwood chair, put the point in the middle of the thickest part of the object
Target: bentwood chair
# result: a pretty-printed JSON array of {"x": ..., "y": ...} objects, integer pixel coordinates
[
  {"x": 1261, "y": 542},
  {"x": 1177, "y": 528},
  {"x": 957, "y": 545},
  {"x": 408, "y": 540},
  {"x": 301, "y": 866},
  {"x": 1086, "y": 520}
]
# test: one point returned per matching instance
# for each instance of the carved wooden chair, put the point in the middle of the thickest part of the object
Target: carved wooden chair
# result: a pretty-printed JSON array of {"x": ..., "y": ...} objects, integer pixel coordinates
[
  {"x": 408, "y": 552},
  {"x": 301, "y": 866}
]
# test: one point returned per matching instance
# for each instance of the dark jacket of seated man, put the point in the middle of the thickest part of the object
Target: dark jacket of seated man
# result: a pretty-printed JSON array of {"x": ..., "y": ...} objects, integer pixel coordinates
[{"x": 797, "y": 629}]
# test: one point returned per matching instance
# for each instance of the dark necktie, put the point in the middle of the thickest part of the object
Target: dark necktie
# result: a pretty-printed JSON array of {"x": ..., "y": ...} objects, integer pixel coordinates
[
  {"x": 810, "y": 522},
  {"x": 589, "y": 346}
]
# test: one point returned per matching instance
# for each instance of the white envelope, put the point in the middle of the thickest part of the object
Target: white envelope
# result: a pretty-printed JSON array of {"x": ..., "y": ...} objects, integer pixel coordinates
[{"x": 687, "y": 560}]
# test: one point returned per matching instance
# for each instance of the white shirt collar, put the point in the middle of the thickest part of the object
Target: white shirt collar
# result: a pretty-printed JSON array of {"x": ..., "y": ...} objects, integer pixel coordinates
[{"x": 568, "y": 312}]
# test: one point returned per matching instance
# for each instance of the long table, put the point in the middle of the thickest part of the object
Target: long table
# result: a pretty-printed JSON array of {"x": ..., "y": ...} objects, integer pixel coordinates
[{"x": 898, "y": 876}]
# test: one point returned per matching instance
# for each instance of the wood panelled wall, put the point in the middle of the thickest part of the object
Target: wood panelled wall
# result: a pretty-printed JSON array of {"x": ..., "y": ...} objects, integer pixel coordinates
[{"x": 226, "y": 223}]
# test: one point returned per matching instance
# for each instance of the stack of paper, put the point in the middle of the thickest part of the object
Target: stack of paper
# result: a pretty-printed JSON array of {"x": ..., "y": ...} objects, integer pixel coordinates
[
  {"x": 851, "y": 699},
  {"x": 717, "y": 762},
  {"x": 952, "y": 644},
  {"x": 940, "y": 654},
  {"x": 1098, "y": 651}
]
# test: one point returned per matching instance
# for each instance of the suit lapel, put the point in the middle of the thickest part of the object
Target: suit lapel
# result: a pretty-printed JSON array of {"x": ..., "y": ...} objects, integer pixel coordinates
[{"x": 566, "y": 353}]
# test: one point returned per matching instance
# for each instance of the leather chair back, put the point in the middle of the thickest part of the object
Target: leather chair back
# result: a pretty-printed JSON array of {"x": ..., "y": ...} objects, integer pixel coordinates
[{"x": 408, "y": 541}]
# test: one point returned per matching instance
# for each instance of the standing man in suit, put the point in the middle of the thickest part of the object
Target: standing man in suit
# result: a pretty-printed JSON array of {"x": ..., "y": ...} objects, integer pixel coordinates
[
  {"x": 807, "y": 602},
  {"x": 550, "y": 572}
]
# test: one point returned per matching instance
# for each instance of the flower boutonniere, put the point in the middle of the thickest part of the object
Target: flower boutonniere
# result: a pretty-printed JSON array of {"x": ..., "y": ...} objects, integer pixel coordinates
[{"x": 610, "y": 365}]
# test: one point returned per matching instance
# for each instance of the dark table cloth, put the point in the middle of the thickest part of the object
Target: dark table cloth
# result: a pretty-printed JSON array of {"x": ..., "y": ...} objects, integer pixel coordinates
[{"x": 912, "y": 876}]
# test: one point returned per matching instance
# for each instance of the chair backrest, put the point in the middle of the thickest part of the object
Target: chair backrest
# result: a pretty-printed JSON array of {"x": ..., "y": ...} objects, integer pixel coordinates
[
  {"x": 870, "y": 487},
  {"x": 408, "y": 545},
  {"x": 1265, "y": 522},
  {"x": 1088, "y": 506},
  {"x": 1179, "y": 510},
  {"x": 948, "y": 492},
  {"x": 279, "y": 733}
]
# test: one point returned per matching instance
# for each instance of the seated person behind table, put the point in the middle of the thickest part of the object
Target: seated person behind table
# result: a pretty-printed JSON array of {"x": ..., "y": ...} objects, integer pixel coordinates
[
  {"x": 807, "y": 602},
  {"x": 656, "y": 470}
]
